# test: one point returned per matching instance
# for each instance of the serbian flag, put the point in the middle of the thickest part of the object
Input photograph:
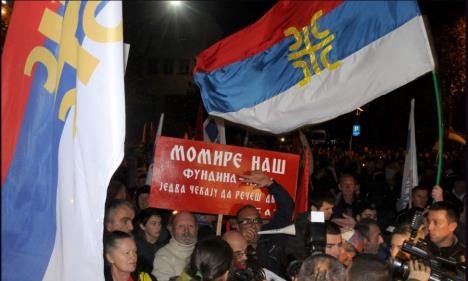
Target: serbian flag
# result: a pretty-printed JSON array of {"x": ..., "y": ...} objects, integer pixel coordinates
[
  {"x": 63, "y": 131},
  {"x": 306, "y": 62}
]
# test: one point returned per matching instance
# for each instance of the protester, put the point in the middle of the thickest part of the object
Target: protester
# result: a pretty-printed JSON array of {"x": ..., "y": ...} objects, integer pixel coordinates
[
  {"x": 321, "y": 267},
  {"x": 142, "y": 197},
  {"x": 210, "y": 261},
  {"x": 121, "y": 259},
  {"x": 171, "y": 259},
  {"x": 373, "y": 240},
  {"x": 119, "y": 215},
  {"x": 116, "y": 190},
  {"x": 353, "y": 243},
  {"x": 323, "y": 202},
  {"x": 400, "y": 235},
  {"x": 150, "y": 236},
  {"x": 334, "y": 246},
  {"x": 347, "y": 202},
  {"x": 269, "y": 248},
  {"x": 367, "y": 267}
]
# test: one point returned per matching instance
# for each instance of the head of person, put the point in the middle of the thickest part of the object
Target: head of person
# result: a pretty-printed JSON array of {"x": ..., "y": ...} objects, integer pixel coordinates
[
  {"x": 334, "y": 245},
  {"x": 348, "y": 186},
  {"x": 120, "y": 253},
  {"x": 239, "y": 247},
  {"x": 116, "y": 190},
  {"x": 442, "y": 220},
  {"x": 323, "y": 202},
  {"x": 401, "y": 234},
  {"x": 183, "y": 227},
  {"x": 370, "y": 230},
  {"x": 249, "y": 223},
  {"x": 142, "y": 196},
  {"x": 149, "y": 221},
  {"x": 119, "y": 216},
  {"x": 367, "y": 211},
  {"x": 353, "y": 243},
  {"x": 367, "y": 267},
  {"x": 210, "y": 260},
  {"x": 321, "y": 267},
  {"x": 419, "y": 197}
]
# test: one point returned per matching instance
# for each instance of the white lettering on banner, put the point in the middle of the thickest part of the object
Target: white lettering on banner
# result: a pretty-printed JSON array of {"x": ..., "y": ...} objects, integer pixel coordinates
[
  {"x": 205, "y": 156},
  {"x": 211, "y": 176},
  {"x": 270, "y": 199},
  {"x": 203, "y": 191},
  {"x": 172, "y": 188},
  {"x": 276, "y": 166},
  {"x": 247, "y": 195}
]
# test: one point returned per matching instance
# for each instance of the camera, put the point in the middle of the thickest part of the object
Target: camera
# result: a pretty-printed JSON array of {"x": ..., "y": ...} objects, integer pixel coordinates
[{"x": 442, "y": 269}]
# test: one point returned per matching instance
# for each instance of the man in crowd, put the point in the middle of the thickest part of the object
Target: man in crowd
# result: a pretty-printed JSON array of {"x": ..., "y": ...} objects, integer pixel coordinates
[
  {"x": 171, "y": 259},
  {"x": 368, "y": 267},
  {"x": 353, "y": 243},
  {"x": 373, "y": 240},
  {"x": 119, "y": 215},
  {"x": 269, "y": 248},
  {"x": 323, "y": 202},
  {"x": 322, "y": 267},
  {"x": 399, "y": 236},
  {"x": 442, "y": 221},
  {"x": 419, "y": 200},
  {"x": 347, "y": 202},
  {"x": 334, "y": 246}
]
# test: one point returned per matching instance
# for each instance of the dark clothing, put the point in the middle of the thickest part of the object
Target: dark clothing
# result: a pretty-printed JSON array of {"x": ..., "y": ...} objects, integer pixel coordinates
[
  {"x": 406, "y": 215},
  {"x": 457, "y": 250},
  {"x": 146, "y": 250},
  {"x": 135, "y": 276},
  {"x": 344, "y": 208},
  {"x": 270, "y": 248},
  {"x": 205, "y": 231}
]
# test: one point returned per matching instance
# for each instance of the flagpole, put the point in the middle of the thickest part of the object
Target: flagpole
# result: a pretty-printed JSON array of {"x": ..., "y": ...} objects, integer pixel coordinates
[{"x": 440, "y": 125}]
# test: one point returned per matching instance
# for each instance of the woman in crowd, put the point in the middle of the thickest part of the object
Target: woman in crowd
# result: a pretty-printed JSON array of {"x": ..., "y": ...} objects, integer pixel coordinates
[
  {"x": 210, "y": 261},
  {"x": 120, "y": 258},
  {"x": 150, "y": 236}
]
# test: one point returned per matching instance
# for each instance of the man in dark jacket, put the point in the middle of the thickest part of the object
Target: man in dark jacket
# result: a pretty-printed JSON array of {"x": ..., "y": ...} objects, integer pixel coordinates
[{"x": 269, "y": 248}]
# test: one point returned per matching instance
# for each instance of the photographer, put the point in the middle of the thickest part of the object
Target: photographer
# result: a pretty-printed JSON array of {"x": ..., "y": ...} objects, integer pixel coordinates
[{"x": 442, "y": 221}]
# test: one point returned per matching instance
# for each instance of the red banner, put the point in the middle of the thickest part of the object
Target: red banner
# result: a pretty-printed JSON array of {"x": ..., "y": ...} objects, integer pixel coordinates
[{"x": 204, "y": 177}]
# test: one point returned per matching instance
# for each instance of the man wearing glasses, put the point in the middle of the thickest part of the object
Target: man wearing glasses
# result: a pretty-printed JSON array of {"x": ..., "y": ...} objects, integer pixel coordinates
[{"x": 269, "y": 248}]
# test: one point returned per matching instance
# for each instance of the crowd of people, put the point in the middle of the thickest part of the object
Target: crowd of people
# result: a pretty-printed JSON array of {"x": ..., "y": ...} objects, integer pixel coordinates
[{"x": 366, "y": 226}]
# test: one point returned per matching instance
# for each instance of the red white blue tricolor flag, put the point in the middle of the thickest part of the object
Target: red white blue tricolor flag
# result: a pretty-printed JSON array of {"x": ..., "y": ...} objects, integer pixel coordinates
[
  {"x": 63, "y": 131},
  {"x": 306, "y": 62}
]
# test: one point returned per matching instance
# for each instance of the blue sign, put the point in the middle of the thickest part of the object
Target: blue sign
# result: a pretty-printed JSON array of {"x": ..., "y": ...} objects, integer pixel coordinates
[{"x": 356, "y": 130}]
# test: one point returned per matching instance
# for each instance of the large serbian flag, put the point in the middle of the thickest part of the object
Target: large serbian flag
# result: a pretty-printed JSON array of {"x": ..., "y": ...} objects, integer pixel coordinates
[
  {"x": 306, "y": 62},
  {"x": 63, "y": 130}
]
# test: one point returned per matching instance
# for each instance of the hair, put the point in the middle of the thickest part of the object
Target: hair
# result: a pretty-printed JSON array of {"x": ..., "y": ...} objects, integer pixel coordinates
[
  {"x": 322, "y": 267},
  {"x": 367, "y": 267},
  {"x": 320, "y": 197},
  {"x": 114, "y": 188},
  {"x": 141, "y": 190},
  {"x": 245, "y": 207},
  {"x": 419, "y": 187},
  {"x": 452, "y": 213},
  {"x": 363, "y": 227},
  {"x": 210, "y": 259},
  {"x": 172, "y": 218},
  {"x": 110, "y": 242},
  {"x": 403, "y": 229},
  {"x": 146, "y": 214},
  {"x": 365, "y": 206},
  {"x": 332, "y": 228},
  {"x": 343, "y": 176},
  {"x": 112, "y": 205}
]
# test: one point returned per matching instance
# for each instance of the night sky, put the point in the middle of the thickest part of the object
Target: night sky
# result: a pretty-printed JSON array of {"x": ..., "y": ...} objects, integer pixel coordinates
[{"x": 384, "y": 121}]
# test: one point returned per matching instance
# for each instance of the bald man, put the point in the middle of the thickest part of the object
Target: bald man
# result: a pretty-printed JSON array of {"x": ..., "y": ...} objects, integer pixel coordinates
[{"x": 239, "y": 247}]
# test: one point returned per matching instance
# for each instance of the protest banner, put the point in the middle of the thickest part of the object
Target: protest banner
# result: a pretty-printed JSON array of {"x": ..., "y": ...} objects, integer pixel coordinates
[{"x": 205, "y": 177}]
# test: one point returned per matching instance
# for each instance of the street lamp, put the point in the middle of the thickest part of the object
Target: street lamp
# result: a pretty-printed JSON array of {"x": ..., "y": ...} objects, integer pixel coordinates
[{"x": 175, "y": 3}]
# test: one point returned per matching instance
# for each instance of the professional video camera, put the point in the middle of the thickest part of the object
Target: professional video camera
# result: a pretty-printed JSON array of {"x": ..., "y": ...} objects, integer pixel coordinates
[
  {"x": 442, "y": 269},
  {"x": 309, "y": 237}
]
